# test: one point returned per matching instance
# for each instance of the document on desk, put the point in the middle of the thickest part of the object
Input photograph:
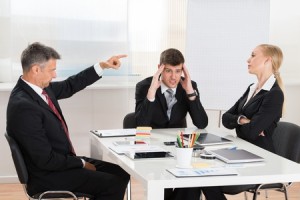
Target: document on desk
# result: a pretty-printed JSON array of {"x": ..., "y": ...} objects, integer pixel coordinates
[
  {"x": 115, "y": 132},
  {"x": 122, "y": 149},
  {"x": 196, "y": 172}
]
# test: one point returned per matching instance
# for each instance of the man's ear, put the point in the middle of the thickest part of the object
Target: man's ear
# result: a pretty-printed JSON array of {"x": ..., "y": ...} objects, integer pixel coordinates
[{"x": 35, "y": 69}]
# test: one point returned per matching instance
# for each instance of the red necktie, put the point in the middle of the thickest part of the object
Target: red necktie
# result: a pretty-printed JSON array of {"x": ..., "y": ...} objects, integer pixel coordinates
[{"x": 53, "y": 108}]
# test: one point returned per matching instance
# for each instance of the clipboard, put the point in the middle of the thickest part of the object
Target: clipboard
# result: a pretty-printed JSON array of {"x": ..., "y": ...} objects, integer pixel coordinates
[{"x": 114, "y": 132}]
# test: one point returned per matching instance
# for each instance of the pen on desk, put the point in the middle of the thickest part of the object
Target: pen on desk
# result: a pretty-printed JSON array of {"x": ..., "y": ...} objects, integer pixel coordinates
[
  {"x": 197, "y": 136},
  {"x": 189, "y": 141},
  {"x": 181, "y": 136},
  {"x": 179, "y": 142}
]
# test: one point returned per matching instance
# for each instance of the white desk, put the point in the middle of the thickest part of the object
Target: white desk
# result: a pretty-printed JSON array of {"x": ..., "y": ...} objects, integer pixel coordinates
[{"x": 152, "y": 174}]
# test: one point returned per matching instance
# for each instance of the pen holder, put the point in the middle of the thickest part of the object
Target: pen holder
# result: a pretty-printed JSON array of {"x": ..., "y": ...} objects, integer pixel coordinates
[{"x": 184, "y": 157}]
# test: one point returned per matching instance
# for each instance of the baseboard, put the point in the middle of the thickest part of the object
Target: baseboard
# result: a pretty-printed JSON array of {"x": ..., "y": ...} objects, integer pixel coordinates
[{"x": 9, "y": 179}]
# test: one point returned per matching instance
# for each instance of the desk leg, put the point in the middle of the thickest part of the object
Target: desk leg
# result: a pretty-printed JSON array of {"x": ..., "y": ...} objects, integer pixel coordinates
[
  {"x": 95, "y": 150},
  {"x": 128, "y": 191},
  {"x": 154, "y": 192}
]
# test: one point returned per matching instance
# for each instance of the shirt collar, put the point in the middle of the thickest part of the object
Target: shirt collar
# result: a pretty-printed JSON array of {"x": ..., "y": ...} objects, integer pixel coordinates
[
  {"x": 269, "y": 83},
  {"x": 267, "y": 86},
  {"x": 36, "y": 88},
  {"x": 164, "y": 88}
]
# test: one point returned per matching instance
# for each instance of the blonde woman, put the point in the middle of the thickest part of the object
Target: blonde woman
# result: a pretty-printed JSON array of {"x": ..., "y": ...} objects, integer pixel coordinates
[{"x": 255, "y": 115}]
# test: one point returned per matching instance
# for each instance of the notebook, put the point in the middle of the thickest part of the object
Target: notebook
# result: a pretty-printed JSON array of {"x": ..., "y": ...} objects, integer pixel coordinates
[
  {"x": 206, "y": 139},
  {"x": 236, "y": 156}
]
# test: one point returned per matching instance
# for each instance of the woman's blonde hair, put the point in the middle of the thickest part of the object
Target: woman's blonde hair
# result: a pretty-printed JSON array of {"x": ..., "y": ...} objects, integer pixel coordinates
[{"x": 277, "y": 56}]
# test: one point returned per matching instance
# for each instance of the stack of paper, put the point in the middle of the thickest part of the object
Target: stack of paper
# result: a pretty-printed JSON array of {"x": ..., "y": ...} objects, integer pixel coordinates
[{"x": 142, "y": 133}]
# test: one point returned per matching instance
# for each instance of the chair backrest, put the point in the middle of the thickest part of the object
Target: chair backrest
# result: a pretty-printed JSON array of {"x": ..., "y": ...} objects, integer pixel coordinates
[
  {"x": 23, "y": 175},
  {"x": 286, "y": 139},
  {"x": 129, "y": 120},
  {"x": 18, "y": 159}
]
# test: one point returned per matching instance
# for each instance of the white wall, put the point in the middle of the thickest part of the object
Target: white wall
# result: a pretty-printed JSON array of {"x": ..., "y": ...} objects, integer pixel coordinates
[
  {"x": 284, "y": 32},
  {"x": 220, "y": 37}
]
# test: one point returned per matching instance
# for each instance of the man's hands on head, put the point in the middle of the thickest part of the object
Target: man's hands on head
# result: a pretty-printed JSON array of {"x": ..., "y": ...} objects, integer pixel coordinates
[
  {"x": 187, "y": 83},
  {"x": 113, "y": 62},
  {"x": 155, "y": 84}
]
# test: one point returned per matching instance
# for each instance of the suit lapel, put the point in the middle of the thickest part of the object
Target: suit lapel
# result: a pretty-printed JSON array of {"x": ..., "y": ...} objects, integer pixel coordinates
[
  {"x": 241, "y": 105},
  {"x": 38, "y": 99},
  {"x": 179, "y": 94},
  {"x": 32, "y": 93},
  {"x": 162, "y": 100},
  {"x": 255, "y": 98},
  {"x": 55, "y": 102}
]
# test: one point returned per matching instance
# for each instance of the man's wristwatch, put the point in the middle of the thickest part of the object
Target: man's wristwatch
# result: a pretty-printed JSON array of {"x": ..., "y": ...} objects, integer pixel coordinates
[{"x": 192, "y": 94}]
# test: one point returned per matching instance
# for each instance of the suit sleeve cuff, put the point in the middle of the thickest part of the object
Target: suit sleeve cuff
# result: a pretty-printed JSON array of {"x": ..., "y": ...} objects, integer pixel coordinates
[
  {"x": 151, "y": 100},
  {"x": 98, "y": 69},
  {"x": 83, "y": 163},
  {"x": 238, "y": 120}
]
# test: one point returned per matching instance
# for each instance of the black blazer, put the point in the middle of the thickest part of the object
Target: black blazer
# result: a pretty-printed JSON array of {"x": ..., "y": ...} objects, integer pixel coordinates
[
  {"x": 154, "y": 114},
  {"x": 264, "y": 110},
  {"x": 40, "y": 134}
]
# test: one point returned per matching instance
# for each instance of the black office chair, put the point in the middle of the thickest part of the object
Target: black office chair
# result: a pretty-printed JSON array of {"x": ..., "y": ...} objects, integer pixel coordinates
[
  {"x": 286, "y": 139},
  {"x": 23, "y": 176},
  {"x": 129, "y": 120}
]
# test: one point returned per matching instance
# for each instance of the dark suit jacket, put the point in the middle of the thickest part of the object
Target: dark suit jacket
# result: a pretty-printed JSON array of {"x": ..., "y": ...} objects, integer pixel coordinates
[
  {"x": 264, "y": 110},
  {"x": 154, "y": 114},
  {"x": 40, "y": 134}
]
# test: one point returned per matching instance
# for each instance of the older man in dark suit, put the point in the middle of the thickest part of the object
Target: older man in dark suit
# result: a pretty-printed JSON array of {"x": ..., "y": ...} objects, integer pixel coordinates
[{"x": 35, "y": 121}]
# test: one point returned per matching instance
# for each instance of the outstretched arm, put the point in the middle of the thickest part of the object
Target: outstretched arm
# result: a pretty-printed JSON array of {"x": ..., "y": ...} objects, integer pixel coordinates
[{"x": 113, "y": 62}]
